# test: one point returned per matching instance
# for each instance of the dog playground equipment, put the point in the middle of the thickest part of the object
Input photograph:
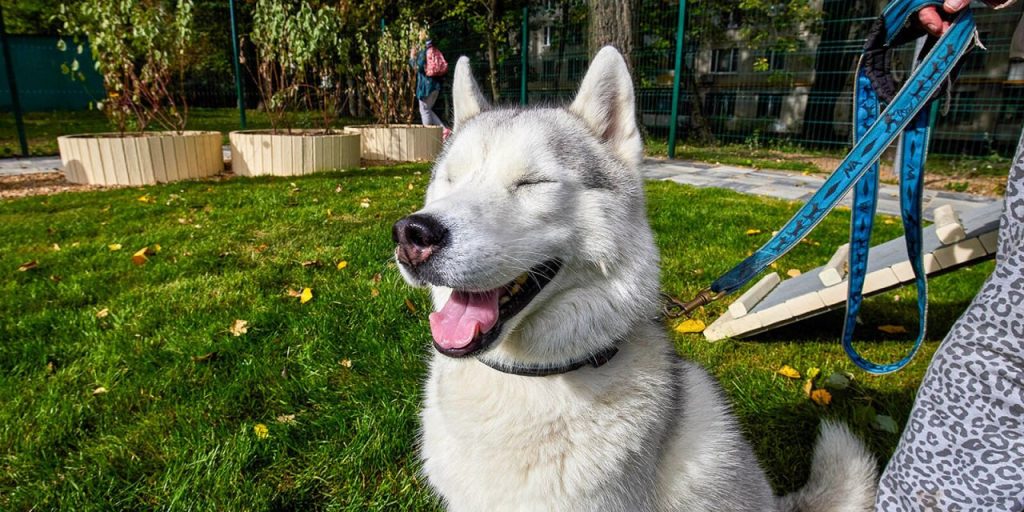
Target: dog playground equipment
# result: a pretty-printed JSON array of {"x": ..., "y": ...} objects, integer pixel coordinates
[{"x": 957, "y": 239}]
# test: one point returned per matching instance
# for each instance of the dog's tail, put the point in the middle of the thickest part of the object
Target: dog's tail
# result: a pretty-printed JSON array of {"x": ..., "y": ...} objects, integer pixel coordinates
[{"x": 844, "y": 475}]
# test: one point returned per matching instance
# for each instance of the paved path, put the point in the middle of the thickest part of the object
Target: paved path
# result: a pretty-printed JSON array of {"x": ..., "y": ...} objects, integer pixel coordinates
[
  {"x": 792, "y": 186},
  {"x": 778, "y": 184}
]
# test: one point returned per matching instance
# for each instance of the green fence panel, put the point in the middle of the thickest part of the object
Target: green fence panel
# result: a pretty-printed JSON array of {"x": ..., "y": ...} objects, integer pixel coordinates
[{"x": 41, "y": 85}]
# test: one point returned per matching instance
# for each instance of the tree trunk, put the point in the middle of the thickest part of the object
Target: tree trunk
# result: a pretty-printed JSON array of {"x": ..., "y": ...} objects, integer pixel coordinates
[
  {"x": 492, "y": 51},
  {"x": 562, "y": 29},
  {"x": 611, "y": 23},
  {"x": 701, "y": 127}
]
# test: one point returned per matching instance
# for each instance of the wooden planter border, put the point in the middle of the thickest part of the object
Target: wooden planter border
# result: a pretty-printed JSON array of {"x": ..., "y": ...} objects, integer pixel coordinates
[
  {"x": 160, "y": 157},
  {"x": 259, "y": 152},
  {"x": 399, "y": 142}
]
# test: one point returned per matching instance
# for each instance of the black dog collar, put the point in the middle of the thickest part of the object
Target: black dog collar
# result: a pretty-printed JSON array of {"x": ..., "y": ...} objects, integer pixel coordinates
[{"x": 595, "y": 360}]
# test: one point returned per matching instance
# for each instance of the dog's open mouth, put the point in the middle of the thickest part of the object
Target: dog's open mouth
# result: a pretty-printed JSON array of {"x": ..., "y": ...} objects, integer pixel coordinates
[{"x": 471, "y": 321}]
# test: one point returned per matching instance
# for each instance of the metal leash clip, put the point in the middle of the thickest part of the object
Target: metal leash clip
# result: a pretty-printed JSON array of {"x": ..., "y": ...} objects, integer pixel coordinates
[{"x": 674, "y": 308}]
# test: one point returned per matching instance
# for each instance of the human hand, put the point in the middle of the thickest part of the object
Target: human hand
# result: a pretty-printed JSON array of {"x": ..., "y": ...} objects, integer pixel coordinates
[{"x": 932, "y": 21}]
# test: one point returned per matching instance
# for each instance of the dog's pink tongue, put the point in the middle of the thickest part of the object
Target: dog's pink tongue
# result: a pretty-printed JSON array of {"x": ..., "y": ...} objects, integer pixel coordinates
[{"x": 465, "y": 315}]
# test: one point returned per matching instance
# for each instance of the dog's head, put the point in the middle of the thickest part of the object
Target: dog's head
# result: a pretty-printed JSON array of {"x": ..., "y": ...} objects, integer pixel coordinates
[{"x": 534, "y": 235}]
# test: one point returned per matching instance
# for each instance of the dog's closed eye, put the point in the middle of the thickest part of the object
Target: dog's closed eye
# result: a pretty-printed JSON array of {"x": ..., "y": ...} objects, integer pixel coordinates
[{"x": 530, "y": 181}]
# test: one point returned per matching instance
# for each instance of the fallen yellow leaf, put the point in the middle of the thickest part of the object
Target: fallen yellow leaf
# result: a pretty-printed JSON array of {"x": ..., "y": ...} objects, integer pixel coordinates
[
  {"x": 294, "y": 293},
  {"x": 347, "y": 363},
  {"x": 261, "y": 431},
  {"x": 821, "y": 397},
  {"x": 146, "y": 199},
  {"x": 793, "y": 272},
  {"x": 102, "y": 313},
  {"x": 813, "y": 372},
  {"x": 410, "y": 306},
  {"x": 156, "y": 248},
  {"x": 808, "y": 386},
  {"x": 374, "y": 292},
  {"x": 99, "y": 391},
  {"x": 239, "y": 327},
  {"x": 892, "y": 329},
  {"x": 342, "y": 264},
  {"x": 114, "y": 247},
  {"x": 286, "y": 418},
  {"x": 788, "y": 371},
  {"x": 306, "y": 296},
  {"x": 139, "y": 258},
  {"x": 690, "y": 326},
  {"x": 56, "y": 247},
  {"x": 28, "y": 265},
  {"x": 751, "y": 232}
]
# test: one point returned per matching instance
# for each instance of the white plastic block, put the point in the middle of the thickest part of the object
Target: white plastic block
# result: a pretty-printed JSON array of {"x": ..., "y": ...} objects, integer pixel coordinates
[
  {"x": 834, "y": 271},
  {"x": 746, "y": 302},
  {"x": 834, "y": 294},
  {"x": 990, "y": 241},
  {"x": 728, "y": 327},
  {"x": 904, "y": 271},
  {"x": 776, "y": 314},
  {"x": 948, "y": 227},
  {"x": 805, "y": 304},
  {"x": 931, "y": 264},
  {"x": 960, "y": 253},
  {"x": 879, "y": 280}
]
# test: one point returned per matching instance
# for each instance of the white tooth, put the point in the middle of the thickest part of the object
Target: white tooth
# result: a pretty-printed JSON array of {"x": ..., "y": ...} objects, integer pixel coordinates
[
  {"x": 515, "y": 289},
  {"x": 504, "y": 299},
  {"x": 521, "y": 279}
]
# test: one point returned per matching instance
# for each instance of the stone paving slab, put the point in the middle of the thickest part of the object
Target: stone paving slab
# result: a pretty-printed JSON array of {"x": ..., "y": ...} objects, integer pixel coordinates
[{"x": 794, "y": 186}]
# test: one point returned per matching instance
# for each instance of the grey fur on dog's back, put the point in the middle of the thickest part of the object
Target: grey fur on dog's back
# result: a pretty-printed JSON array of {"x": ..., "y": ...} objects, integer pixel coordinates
[{"x": 647, "y": 430}]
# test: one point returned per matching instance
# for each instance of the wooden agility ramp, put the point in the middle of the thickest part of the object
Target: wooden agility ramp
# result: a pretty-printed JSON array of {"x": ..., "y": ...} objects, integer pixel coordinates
[{"x": 957, "y": 239}]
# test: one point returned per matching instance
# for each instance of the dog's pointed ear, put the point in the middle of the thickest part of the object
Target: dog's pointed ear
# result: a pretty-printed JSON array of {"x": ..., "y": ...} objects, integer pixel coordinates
[
  {"x": 468, "y": 99},
  {"x": 606, "y": 104}
]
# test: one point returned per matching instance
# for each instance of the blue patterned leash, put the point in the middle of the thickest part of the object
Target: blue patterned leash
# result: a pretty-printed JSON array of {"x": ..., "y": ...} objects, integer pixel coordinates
[{"x": 905, "y": 117}]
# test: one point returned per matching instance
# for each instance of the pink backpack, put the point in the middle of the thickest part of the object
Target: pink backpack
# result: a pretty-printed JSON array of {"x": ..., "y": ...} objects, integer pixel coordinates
[{"x": 436, "y": 65}]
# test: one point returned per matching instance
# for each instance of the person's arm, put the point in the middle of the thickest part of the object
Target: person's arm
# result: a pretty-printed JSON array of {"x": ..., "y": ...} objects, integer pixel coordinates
[{"x": 932, "y": 21}]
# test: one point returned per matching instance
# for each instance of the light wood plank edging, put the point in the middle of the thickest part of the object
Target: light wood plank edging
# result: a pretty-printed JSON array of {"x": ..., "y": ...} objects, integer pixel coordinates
[
  {"x": 260, "y": 153},
  {"x": 157, "y": 157},
  {"x": 399, "y": 142}
]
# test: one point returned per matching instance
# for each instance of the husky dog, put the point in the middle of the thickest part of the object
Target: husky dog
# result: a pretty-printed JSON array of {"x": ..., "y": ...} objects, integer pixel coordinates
[{"x": 553, "y": 387}]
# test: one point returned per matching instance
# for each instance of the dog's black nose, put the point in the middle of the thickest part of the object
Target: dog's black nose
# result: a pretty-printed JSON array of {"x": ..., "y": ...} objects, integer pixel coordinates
[{"x": 418, "y": 237}]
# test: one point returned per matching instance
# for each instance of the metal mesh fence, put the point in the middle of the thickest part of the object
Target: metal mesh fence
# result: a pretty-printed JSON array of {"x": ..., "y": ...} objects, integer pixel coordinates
[{"x": 795, "y": 98}]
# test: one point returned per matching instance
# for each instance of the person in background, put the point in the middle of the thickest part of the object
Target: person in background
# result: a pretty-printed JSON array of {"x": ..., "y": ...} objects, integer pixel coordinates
[
  {"x": 429, "y": 70},
  {"x": 963, "y": 445}
]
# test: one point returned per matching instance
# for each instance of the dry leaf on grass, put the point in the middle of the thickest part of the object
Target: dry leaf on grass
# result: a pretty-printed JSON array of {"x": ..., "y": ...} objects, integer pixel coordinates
[
  {"x": 793, "y": 272},
  {"x": 690, "y": 326},
  {"x": 145, "y": 198},
  {"x": 261, "y": 431},
  {"x": 56, "y": 247},
  {"x": 102, "y": 313},
  {"x": 376, "y": 278},
  {"x": 821, "y": 397},
  {"x": 342, "y": 264},
  {"x": 808, "y": 387},
  {"x": 892, "y": 329},
  {"x": 294, "y": 293},
  {"x": 312, "y": 263},
  {"x": 114, "y": 247},
  {"x": 788, "y": 371},
  {"x": 99, "y": 391},
  {"x": 286, "y": 418},
  {"x": 28, "y": 265},
  {"x": 374, "y": 292},
  {"x": 347, "y": 363},
  {"x": 239, "y": 327},
  {"x": 305, "y": 296},
  {"x": 752, "y": 232},
  {"x": 813, "y": 372},
  {"x": 410, "y": 306}
]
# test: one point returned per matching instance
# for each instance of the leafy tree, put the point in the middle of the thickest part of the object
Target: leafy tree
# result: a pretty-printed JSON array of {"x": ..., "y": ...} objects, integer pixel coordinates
[
  {"x": 31, "y": 16},
  {"x": 142, "y": 49}
]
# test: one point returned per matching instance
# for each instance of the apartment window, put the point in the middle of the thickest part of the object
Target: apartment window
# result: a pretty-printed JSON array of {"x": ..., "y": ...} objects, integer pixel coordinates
[
  {"x": 776, "y": 60},
  {"x": 547, "y": 35},
  {"x": 769, "y": 106},
  {"x": 577, "y": 66},
  {"x": 720, "y": 104},
  {"x": 725, "y": 60},
  {"x": 549, "y": 70}
]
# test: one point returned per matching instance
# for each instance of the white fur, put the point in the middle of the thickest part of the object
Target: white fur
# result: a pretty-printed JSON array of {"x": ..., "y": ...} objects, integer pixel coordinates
[{"x": 646, "y": 431}]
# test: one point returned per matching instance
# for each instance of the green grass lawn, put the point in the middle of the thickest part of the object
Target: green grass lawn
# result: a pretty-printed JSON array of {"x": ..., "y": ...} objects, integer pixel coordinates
[
  {"x": 157, "y": 403},
  {"x": 43, "y": 128}
]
